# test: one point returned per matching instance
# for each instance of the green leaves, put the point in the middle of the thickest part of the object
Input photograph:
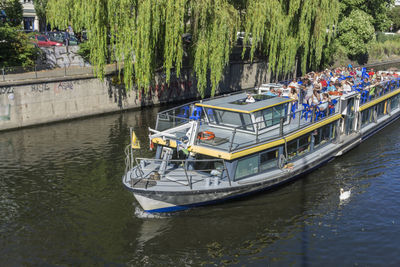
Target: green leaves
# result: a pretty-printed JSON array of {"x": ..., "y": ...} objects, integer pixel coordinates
[
  {"x": 146, "y": 35},
  {"x": 286, "y": 30},
  {"x": 15, "y": 48},
  {"x": 356, "y": 32},
  {"x": 13, "y": 10}
]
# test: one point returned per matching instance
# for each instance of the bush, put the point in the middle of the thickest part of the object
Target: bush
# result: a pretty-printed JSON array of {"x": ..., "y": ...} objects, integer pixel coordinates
[
  {"x": 15, "y": 48},
  {"x": 355, "y": 32}
]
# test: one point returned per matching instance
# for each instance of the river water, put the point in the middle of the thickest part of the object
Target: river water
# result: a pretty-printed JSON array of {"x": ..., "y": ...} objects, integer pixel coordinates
[{"x": 62, "y": 202}]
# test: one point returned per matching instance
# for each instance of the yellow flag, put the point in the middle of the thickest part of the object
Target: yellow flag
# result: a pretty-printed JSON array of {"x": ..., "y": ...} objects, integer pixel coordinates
[{"x": 135, "y": 141}]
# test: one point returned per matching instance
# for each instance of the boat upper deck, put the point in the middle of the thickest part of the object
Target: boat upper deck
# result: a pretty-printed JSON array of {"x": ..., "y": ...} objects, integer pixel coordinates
[
  {"x": 239, "y": 102},
  {"x": 228, "y": 127}
]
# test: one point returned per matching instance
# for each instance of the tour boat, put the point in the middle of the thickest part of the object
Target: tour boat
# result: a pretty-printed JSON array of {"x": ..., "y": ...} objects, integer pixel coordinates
[{"x": 214, "y": 150}]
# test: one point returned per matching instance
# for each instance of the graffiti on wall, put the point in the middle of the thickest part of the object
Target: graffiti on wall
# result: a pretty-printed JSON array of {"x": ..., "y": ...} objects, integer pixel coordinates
[
  {"x": 60, "y": 57},
  {"x": 40, "y": 88},
  {"x": 44, "y": 87},
  {"x": 5, "y": 90}
]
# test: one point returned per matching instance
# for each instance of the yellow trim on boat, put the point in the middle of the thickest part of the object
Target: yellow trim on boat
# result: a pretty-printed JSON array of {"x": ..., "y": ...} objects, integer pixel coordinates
[
  {"x": 230, "y": 156},
  {"x": 376, "y": 101},
  {"x": 160, "y": 141},
  {"x": 242, "y": 111}
]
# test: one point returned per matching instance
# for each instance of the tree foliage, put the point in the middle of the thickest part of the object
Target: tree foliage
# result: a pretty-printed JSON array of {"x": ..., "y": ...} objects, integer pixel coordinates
[
  {"x": 15, "y": 48},
  {"x": 13, "y": 10},
  {"x": 286, "y": 30},
  {"x": 394, "y": 15},
  {"x": 147, "y": 34},
  {"x": 40, "y": 9},
  {"x": 377, "y": 9},
  {"x": 356, "y": 32}
]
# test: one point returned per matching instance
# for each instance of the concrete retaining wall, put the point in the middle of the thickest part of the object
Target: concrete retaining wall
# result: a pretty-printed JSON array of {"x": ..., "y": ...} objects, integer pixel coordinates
[{"x": 31, "y": 102}]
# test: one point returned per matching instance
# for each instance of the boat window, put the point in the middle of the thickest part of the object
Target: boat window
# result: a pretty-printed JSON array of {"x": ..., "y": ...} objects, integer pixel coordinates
[
  {"x": 324, "y": 134},
  {"x": 304, "y": 144},
  {"x": 246, "y": 167},
  {"x": 230, "y": 118},
  {"x": 365, "y": 119},
  {"x": 394, "y": 102},
  {"x": 380, "y": 109},
  {"x": 271, "y": 116},
  {"x": 292, "y": 149},
  {"x": 299, "y": 146},
  {"x": 333, "y": 132},
  {"x": 268, "y": 160},
  {"x": 207, "y": 166},
  {"x": 317, "y": 137}
]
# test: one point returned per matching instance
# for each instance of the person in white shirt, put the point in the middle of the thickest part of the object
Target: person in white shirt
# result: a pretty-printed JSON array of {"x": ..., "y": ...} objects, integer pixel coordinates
[
  {"x": 346, "y": 86},
  {"x": 250, "y": 99}
]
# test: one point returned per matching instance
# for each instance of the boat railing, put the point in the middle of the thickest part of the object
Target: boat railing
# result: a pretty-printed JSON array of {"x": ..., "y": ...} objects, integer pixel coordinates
[
  {"x": 267, "y": 130},
  {"x": 173, "y": 117},
  {"x": 180, "y": 171},
  {"x": 372, "y": 92},
  {"x": 179, "y": 115},
  {"x": 276, "y": 128}
]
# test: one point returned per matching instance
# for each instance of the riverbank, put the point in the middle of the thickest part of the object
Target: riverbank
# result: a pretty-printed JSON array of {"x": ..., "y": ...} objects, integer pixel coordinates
[{"x": 69, "y": 93}]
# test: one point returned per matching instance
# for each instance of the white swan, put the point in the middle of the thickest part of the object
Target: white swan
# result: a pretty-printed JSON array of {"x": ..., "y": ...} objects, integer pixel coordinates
[{"x": 344, "y": 194}]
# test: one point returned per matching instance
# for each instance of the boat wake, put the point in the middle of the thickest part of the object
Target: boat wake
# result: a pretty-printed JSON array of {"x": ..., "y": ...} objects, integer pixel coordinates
[{"x": 141, "y": 214}]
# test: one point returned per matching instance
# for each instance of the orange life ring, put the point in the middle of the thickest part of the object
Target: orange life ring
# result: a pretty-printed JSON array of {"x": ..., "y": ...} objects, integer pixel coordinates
[{"x": 206, "y": 135}]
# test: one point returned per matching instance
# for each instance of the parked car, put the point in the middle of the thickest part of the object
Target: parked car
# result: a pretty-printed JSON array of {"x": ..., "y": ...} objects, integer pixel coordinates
[
  {"x": 60, "y": 38},
  {"x": 42, "y": 41}
]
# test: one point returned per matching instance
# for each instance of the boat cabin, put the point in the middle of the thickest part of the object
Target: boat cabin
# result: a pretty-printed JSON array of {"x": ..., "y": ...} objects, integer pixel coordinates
[{"x": 246, "y": 112}]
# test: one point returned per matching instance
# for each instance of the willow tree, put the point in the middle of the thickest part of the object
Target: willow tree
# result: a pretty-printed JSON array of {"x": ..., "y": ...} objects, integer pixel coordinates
[
  {"x": 291, "y": 30},
  {"x": 137, "y": 33},
  {"x": 143, "y": 35}
]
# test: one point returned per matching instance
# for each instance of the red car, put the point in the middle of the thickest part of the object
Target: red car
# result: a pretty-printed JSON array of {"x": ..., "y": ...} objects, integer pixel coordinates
[{"x": 43, "y": 41}]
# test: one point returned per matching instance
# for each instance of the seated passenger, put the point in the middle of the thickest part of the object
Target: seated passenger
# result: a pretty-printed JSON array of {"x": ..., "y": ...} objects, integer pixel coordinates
[
  {"x": 250, "y": 99},
  {"x": 271, "y": 92},
  {"x": 346, "y": 87},
  {"x": 331, "y": 87},
  {"x": 315, "y": 98},
  {"x": 325, "y": 101},
  {"x": 293, "y": 94}
]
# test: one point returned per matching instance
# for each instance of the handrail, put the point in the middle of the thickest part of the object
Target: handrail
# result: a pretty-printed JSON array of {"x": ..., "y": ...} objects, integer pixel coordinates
[
  {"x": 181, "y": 162},
  {"x": 383, "y": 87},
  {"x": 286, "y": 126}
]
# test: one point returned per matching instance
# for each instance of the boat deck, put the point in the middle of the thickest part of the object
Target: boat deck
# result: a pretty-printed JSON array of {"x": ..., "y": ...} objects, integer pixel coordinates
[
  {"x": 174, "y": 179},
  {"x": 225, "y": 142}
]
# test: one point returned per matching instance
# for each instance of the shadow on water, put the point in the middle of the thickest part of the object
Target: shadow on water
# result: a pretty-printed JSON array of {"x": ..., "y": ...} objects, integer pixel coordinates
[{"x": 62, "y": 203}]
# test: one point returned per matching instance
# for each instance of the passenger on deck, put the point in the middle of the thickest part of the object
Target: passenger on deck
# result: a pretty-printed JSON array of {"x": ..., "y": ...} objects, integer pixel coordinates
[
  {"x": 250, "y": 99},
  {"x": 325, "y": 101},
  {"x": 331, "y": 87},
  {"x": 315, "y": 98},
  {"x": 323, "y": 83},
  {"x": 346, "y": 87},
  {"x": 293, "y": 83},
  {"x": 293, "y": 94},
  {"x": 308, "y": 92},
  {"x": 272, "y": 92}
]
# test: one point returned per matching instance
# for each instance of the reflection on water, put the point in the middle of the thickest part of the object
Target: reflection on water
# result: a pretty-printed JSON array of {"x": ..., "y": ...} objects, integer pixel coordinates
[{"x": 62, "y": 203}]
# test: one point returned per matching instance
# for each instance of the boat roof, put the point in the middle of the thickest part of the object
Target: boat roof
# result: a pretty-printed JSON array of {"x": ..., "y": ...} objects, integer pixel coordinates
[{"x": 237, "y": 103}]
